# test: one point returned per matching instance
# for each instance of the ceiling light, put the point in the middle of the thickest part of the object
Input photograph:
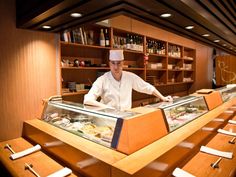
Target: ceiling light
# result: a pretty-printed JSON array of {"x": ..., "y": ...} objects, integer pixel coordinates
[
  {"x": 76, "y": 15},
  {"x": 217, "y": 40},
  {"x": 46, "y": 27},
  {"x": 206, "y": 35},
  {"x": 224, "y": 45},
  {"x": 165, "y": 15},
  {"x": 189, "y": 27}
]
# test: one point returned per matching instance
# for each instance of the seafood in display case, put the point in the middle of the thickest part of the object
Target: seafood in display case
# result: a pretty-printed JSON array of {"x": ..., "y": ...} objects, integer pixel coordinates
[
  {"x": 101, "y": 126},
  {"x": 182, "y": 110},
  {"x": 227, "y": 93}
]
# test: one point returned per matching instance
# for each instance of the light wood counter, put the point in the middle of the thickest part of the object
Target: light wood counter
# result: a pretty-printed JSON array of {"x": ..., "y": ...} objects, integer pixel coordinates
[
  {"x": 226, "y": 166},
  {"x": 159, "y": 147},
  {"x": 42, "y": 163},
  {"x": 107, "y": 162},
  {"x": 100, "y": 152}
]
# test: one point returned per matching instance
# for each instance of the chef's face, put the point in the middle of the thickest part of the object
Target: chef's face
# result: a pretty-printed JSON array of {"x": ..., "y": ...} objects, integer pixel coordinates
[{"x": 116, "y": 68}]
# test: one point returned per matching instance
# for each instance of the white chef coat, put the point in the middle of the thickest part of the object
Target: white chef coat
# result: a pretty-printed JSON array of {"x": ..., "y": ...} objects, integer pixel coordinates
[{"x": 118, "y": 94}]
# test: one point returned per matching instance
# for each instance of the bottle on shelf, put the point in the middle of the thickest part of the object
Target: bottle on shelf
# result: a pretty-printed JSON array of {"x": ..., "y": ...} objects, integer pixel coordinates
[
  {"x": 128, "y": 41},
  {"x": 107, "y": 39},
  {"x": 102, "y": 38},
  {"x": 140, "y": 44},
  {"x": 131, "y": 42}
]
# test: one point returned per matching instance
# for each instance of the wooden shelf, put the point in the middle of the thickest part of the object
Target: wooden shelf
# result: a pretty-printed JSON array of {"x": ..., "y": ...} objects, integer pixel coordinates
[
  {"x": 86, "y": 68},
  {"x": 132, "y": 69},
  {"x": 83, "y": 45},
  {"x": 157, "y": 55},
  {"x": 132, "y": 51},
  {"x": 149, "y": 69},
  {"x": 81, "y": 92},
  {"x": 177, "y": 83},
  {"x": 188, "y": 70},
  {"x": 177, "y": 58},
  {"x": 186, "y": 59},
  {"x": 175, "y": 70}
]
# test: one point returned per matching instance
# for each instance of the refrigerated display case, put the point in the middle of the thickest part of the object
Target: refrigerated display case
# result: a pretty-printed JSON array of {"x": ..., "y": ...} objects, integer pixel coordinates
[
  {"x": 182, "y": 110},
  {"x": 120, "y": 130},
  {"x": 99, "y": 125},
  {"x": 227, "y": 93}
]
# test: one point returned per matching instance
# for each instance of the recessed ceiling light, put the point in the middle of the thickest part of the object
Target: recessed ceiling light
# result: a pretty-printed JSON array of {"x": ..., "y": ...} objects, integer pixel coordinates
[
  {"x": 189, "y": 27},
  {"x": 46, "y": 27},
  {"x": 217, "y": 40},
  {"x": 165, "y": 15},
  {"x": 76, "y": 15},
  {"x": 206, "y": 35},
  {"x": 224, "y": 45},
  {"x": 231, "y": 48}
]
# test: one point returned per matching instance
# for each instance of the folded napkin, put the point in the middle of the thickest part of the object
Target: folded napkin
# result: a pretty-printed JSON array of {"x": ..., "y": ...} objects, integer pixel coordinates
[
  {"x": 226, "y": 132},
  {"x": 186, "y": 144},
  {"x": 87, "y": 162},
  {"x": 25, "y": 152},
  {"x": 229, "y": 112},
  {"x": 212, "y": 151},
  {"x": 61, "y": 173},
  {"x": 218, "y": 120},
  {"x": 181, "y": 173},
  {"x": 208, "y": 129},
  {"x": 232, "y": 122}
]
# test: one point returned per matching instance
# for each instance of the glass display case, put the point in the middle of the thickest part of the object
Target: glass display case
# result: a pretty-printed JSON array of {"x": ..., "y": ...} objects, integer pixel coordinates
[
  {"x": 227, "y": 93},
  {"x": 182, "y": 110},
  {"x": 99, "y": 125}
]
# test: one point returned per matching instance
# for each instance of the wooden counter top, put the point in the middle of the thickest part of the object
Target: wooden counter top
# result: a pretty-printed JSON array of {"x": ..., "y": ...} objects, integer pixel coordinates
[
  {"x": 100, "y": 152},
  {"x": 226, "y": 166},
  {"x": 42, "y": 163},
  {"x": 159, "y": 147}
]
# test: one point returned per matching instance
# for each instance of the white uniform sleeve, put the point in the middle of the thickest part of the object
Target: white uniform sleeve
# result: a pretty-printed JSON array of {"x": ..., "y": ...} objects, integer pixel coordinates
[
  {"x": 141, "y": 86},
  {"x": 95, "y": 91}
]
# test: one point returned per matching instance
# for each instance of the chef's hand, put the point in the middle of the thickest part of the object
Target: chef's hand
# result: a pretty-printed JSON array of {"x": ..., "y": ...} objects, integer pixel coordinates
[{"x": 167, "y": 99}]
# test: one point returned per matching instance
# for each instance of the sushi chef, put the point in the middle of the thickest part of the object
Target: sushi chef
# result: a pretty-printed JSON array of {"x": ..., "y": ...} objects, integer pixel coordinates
[{"x": 115, "y": 87}]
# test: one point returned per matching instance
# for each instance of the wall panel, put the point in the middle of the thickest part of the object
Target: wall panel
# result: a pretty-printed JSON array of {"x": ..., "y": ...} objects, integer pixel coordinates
[
  {"x": 27, "y": 72},
  {"x": 225, "y": 70}
]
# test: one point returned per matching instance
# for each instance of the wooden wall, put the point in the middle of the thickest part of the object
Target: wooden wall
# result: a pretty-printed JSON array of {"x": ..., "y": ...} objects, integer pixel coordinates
[
  {"x": 225, "y": 70},
  {"x": 27, "y": 72},
  {"x": 204, "y": 63}
]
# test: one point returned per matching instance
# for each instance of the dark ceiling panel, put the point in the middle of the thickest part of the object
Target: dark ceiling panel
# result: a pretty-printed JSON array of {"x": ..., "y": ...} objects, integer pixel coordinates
[{"x": 215, "y": 17}]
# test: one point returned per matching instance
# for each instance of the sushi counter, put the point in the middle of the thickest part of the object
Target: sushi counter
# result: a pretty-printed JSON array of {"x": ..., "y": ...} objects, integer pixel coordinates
[{"x": 193, "y": 136}]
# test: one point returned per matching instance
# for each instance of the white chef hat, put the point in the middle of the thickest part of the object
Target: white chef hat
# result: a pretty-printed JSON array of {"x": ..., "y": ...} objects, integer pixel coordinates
[{"x": 116, "y": 55}]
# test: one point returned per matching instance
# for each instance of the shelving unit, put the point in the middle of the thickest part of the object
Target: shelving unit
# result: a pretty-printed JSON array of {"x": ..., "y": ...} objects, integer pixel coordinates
[{"x": 168, "y": 63}]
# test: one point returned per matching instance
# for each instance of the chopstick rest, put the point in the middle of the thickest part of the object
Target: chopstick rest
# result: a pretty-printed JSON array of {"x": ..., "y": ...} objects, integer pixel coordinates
[
  {"x": 226, "y": 132},
  {"x": 212, "y": 151},
  {"x": 181, "y": 173},
  {"x": 61, "y": 173},
  {"x": 232, "y": 122},
  {"x": 25, "y": 152}
]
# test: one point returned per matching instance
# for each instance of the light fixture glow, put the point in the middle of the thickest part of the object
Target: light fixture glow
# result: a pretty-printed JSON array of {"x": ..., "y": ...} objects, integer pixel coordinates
[
  {"x": 189, "y": 27},
  {"x": 217, "y": 40},
  {"x": 224, "y": 45},
  {"x": 46, "y": 27},
  {"x": 165, "y": 15},
  {"x": 76, "y": 15},
  {"x": 206, "y": 35}
]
